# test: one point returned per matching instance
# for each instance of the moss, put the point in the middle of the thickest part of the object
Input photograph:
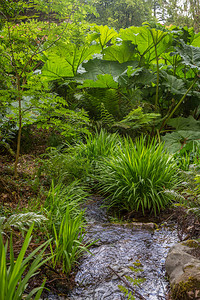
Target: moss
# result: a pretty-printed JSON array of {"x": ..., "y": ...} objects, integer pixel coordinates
[
  {"x": 182, "y": 290},
  {"x": 191, "y": 244}
]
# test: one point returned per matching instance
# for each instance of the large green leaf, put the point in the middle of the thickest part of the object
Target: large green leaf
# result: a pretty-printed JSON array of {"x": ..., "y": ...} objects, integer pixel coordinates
[
  {"x": 66, "y": 58},
  {"x": 56, "y": 68},
  {"x": 190, "y": 55},
  {"x": 97, "y": 66},
  {"x": 146, "y": 40},
  {"x": 196, "y": 40},
  {"x": 185, "y": 123},
  {"x": 176, "y": 140},
  {"x": 103, "y": 81},
  {"x": 138, "y": 76},
  {"x": 173, "y": 84},
  {"x": 187, "y": 129},
  {"x": 123, "y": 52},
  {"x": 105, "y": 34}
]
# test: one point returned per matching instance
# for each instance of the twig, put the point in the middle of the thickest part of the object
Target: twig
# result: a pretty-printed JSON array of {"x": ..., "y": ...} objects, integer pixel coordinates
[
  {"x": 169, "y": 217},
  {"x": 127, "y": 284}
]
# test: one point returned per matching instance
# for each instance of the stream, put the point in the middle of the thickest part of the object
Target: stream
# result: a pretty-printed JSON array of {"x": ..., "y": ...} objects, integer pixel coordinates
[{"x": 117, "y": 248}]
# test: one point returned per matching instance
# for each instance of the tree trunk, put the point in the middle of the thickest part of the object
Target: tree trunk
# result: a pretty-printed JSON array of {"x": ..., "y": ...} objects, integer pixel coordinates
[{"x": 20, "y": 126}]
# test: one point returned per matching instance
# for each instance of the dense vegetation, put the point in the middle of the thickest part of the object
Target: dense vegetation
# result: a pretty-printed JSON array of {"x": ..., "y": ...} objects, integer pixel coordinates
[{"x": 116, "y": 111}]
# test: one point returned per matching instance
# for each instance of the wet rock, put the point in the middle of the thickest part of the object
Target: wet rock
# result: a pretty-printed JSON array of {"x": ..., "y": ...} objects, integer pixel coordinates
[{"x": 183, "y": 269}]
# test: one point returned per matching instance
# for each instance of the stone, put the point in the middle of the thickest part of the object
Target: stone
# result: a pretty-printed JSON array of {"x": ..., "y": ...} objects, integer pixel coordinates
[{"x": 183, "y": 269}]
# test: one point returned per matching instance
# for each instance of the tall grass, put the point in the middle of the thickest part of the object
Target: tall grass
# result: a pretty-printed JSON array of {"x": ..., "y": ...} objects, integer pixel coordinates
[
  {"x": 63, "y": 166},
  {"x": 101, "y": 144},
  {"x": 69, "y": 237},
  {"x": 59, "y": 199},
  {"x": 137, "y": 177},
  {"x": 15, "y": 276},
  {"x": 66, "y": 223}
]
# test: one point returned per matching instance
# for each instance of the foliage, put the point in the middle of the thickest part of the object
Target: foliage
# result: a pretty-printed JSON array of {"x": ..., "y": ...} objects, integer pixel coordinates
[
  {"x": 186, "y": 132},
  {"x": 66, "y": 223},
  {"x": 100, "y": 145},
  {"x": 188, "y": 155},
  {"x": 133, "y": 280},
  {"x": 120, "y": 14},
  {"x": 184, "y": 13},
  {"x": 21, "y": 221},
  {"x": 13, "y": 280},
  {"x": 138, "y": 175},
  {"x": 61, "y": 166},
  {"x": 59, "y": 199},
  {"x": 148, "y": 64},
  {"x": 23, "y": 47},
  {"x": 69, "y": 240}
]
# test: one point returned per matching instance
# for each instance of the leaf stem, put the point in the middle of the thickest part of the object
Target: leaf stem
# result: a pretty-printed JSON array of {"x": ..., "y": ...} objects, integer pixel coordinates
[{"x": 178, "y": 104}]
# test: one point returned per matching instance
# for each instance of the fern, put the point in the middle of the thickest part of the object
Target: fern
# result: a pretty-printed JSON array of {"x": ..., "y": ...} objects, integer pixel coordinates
[
  {"x": 136, "y": 119},
  {"x": 21, "y": 221},
  {"x": 174, "y": 195},
  {"x": 106, "y": 117},
  {"x": 93, "y": 100}
]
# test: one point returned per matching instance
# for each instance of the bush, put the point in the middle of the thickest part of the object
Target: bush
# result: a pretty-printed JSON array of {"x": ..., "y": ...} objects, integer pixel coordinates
[
  {"x": 138, "y": 177},
  {"x": 102, "y": 144}
]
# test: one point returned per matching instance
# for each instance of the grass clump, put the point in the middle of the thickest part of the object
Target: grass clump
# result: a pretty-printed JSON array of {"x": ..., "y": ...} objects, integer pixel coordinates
[
  {"x": 59, "y": 199},
  {"x": 137, "y": 177},
  {"x": 102, "y": 144},
  {"x": 66, "y": 224},
  {"x": 69, "y": 240},
  {"x": 15, "y": 277}
]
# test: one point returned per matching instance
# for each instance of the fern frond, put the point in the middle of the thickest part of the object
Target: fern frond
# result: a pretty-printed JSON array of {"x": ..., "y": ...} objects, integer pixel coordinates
[
  {"x": 21, "y": 221},
  {"x": 194, "y": 210},
  {"x": 174, "y": 194},
  {"x": 137, "y": 118},
  {"x": 106, "y": 117}
]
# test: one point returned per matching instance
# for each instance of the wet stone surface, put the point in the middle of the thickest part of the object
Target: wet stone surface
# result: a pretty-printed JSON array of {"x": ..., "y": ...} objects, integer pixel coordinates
[{"x": 119, "y": 246}]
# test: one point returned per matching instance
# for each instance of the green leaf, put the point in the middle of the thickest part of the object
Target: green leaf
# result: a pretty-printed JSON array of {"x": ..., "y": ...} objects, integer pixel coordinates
[
  {"x": 106, "y": 34},
  {"x": 186, "y": 133},
  {"x": 174, "y": 85},
  {"x": 56, "y": 68},
  {"x": 196, "y": 40},
  {"x": 136, "y": 118},
  {"x": 103, "y": 81},
  {"x": 120, "y": 52},
  {"x": 190, "y": 55},
  {"x": 185, "y": 123},
  {"x": 96, "y": 66},
  {"x": 66, "y": 59},
  {"x": 146, "y": 39}
]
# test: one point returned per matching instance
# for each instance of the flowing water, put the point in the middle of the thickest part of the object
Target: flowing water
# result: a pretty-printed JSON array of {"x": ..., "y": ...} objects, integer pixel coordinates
[{"x": 117, "y": 248}]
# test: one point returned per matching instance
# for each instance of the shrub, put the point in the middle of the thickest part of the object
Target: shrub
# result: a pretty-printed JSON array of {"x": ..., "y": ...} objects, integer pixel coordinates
[
  {"x": 102, "y": 144},
  {"x": 137, "y": 177}
]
